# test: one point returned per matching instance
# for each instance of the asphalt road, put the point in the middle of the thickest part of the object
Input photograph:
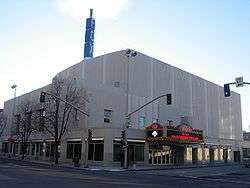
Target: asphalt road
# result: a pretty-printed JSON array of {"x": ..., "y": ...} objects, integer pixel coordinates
[{"x": 16, "y": 174}]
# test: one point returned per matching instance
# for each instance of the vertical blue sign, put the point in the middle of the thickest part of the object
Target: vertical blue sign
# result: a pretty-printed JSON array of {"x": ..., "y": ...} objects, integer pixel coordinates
[{"x": 89, "y": 36}]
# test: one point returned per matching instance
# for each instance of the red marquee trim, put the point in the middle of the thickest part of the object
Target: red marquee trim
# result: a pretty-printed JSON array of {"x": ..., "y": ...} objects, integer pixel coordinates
[{"x": 155, "y": 126}]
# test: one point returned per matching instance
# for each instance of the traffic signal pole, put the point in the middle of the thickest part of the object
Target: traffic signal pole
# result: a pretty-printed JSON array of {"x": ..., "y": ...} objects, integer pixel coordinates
[
  {"x": 125, "y": 141},
  {"x": 47, "y": 93},
  {"x": 227, "y": 92},
  {"x": 42, "y": 100}
]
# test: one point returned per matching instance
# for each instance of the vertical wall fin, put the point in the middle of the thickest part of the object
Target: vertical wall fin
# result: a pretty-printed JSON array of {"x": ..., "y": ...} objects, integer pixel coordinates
[{"x": 89, "y": 36}]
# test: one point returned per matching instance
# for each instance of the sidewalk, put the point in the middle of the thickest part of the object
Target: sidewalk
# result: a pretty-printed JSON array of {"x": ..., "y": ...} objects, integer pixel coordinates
[{"x": 116, "y": 169}]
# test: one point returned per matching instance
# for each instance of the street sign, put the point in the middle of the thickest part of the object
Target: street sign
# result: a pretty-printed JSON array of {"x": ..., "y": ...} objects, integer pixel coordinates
[{"x": 239, "y": 82}]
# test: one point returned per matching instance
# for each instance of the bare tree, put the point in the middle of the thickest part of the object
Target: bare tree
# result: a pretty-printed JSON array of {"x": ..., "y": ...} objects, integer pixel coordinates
[
  {"x": 3, "y": 123},
  {"x": 58, "y": 113},
  {"x": 24, "y": 122}
]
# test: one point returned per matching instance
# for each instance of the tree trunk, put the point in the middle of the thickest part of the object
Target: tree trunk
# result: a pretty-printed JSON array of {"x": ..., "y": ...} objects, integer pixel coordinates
[
  {"x": 56, "y": 152},
  {"x": 23, "y": 150}
]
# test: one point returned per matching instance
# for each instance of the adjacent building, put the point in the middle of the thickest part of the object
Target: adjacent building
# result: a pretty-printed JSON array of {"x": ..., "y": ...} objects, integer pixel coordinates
[{"x": 198, "y": 125}]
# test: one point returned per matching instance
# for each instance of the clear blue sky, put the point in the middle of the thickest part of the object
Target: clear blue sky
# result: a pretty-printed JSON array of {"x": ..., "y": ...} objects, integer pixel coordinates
[{"x": 209, "y": 38}]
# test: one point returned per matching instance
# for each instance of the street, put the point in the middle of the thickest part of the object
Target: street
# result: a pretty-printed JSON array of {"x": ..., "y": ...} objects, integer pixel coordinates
[{"x": 22, "y": 174}]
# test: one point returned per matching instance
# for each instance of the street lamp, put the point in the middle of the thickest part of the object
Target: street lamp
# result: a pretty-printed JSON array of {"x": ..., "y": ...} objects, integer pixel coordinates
[
  {"x": 129, "y": 54},
  {"x": 14, "y": 86}
]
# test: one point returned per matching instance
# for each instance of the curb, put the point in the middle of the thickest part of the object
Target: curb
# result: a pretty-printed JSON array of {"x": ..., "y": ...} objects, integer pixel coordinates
[
  {"x": 183, "y": 167},
  {"x": 37, "y": 163}
]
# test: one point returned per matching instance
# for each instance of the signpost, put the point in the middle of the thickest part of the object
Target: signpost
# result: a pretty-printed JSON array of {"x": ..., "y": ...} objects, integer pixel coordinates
[{"x": 239, "y": 82}]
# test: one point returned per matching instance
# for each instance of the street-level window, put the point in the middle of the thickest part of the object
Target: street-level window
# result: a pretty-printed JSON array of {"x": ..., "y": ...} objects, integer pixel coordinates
[
  {"x": 16, "y": 148},
  {"x": 117, "y": 151},
  {"x": 27, "y": 148},
  {"x": 135, "y": 151},
  {"x": 33, "y": 149},
  {"x": 50, "y": 149},
  {"x": 74, "y": 150},
  {"x": 5, "y": 148},
  {"x": 39, "y": 149},
  {"x": 142, "y": 122},
  {"x": 96, "y": 150},
  {"x": 107, "y": 116}
]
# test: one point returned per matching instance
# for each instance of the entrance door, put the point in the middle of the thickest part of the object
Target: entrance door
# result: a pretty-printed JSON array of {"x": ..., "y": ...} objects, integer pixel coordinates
[
  {"x": 211, "y": 155},
  {"x": 194, "y": 155},
  {"x": 162, "y": 157},
  {"x": 225, "y": 155}
]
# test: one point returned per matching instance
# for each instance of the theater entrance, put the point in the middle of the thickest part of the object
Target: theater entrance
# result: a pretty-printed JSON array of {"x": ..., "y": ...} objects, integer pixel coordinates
[{"x": 166, "y": 155}]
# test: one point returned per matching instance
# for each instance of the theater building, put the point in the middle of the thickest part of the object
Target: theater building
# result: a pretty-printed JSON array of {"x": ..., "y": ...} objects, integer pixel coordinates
[{"x": 200, "y": 125}]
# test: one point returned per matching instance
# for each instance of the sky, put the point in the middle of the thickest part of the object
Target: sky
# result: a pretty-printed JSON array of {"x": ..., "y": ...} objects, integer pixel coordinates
[{"x": 208, "y": 38}]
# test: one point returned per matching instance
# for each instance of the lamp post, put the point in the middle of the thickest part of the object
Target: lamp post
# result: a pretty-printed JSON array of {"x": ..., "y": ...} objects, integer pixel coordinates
[
  {"x": 14, "y": 86},
  {"x": 129, "y": 54}
]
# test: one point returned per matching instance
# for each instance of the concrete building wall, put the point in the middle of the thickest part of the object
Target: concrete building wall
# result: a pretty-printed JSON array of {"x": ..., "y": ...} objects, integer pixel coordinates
[{"x": 104, "y": 80}]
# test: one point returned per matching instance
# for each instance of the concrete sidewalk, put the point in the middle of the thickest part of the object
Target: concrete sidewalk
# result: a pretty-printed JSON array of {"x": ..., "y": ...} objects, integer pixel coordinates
[{"x": 116, "y": 169}]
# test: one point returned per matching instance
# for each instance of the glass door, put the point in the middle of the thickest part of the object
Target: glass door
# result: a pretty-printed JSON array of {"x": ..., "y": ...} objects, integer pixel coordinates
[{"x": 161, "y": 157}]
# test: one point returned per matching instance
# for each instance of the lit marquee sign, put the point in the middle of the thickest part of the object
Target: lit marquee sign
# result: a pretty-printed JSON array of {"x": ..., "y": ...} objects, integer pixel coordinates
[
  {"x": 180, "y": 134},
  {"x": 154, "y": 130},
  {"x": 184, "y": 132}
]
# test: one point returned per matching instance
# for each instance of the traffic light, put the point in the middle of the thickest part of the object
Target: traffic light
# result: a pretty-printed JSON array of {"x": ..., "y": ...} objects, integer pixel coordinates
[
  {"x": 42, "y": 97},
  {"x": 123, "y": 137},
  {"x": 89, "y": 135},
  {"x": 227, "y": 92},
  {"x": 169, "y": 98}
]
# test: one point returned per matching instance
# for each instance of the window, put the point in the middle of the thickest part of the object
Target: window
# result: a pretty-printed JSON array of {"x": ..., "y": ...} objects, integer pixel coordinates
[
  {"x": 50, "y": 149},
  {"x": 28, "y": 148},
  {"x": 116, "y": 84},
  {"x": 96, "y": 150},
  {"x": 47, "y": 149},
  {"x": 74, "y": 149},
  {"x": 142, "y": 122},
  {"x": 117, "y": 151},
  {"x": 139, "y": 153},
  {"x": 15, "y": 148},
  {"x": 33, "y": 149},
  {"x": 135, "y": 151},
  {"x": 39, "y": 149},
  {"x": 5, "y": 148},
  {"x": 107, "y": 116}
]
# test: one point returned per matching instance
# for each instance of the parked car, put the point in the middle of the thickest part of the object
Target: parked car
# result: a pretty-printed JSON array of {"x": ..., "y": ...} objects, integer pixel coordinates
[{"x": 246, "y": 161}]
